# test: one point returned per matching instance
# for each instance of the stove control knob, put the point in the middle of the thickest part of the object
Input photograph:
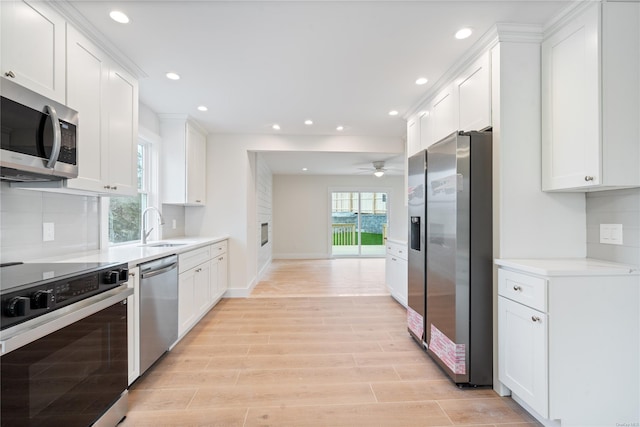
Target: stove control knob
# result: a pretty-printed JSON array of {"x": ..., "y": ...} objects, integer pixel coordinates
[
  {"x": 111, "y": 277},
  {"x": 42, "y": 299},
  {"x": 124, "y": 274},
  {"x": 17, "y": 307}
]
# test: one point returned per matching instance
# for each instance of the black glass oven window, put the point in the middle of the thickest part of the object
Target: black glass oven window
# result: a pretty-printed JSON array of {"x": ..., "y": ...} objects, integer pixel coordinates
[{"x": 70, "y": 377}]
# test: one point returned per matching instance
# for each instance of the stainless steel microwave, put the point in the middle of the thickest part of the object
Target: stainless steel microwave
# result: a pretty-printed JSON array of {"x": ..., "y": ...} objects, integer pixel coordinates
[{"x": 38, "y": 136}]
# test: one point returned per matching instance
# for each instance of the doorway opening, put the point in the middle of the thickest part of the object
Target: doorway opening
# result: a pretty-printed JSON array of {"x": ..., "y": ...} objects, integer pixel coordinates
[{"x": 359, "y": 222}]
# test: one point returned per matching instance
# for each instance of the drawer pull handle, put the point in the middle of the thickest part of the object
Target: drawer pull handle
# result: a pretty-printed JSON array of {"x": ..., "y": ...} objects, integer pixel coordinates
[
  {"x": 198, "y": 270},
  {"x": 588, "y": 178},
  {"x": 132, "y": 274},
  {"x": 10, "y": 74},
  {"x": 535, "y": 318},
  {"x": 517, "y": 288}
]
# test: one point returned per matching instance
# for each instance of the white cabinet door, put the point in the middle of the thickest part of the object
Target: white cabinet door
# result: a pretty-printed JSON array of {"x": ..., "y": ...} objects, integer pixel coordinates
[
  {"x": 133, "y": 325},
  {"x": 474, "y": 96},
  {"x": 196, "y": 166},
  {"x": 223, "y": 280},
  {"x": 426, "y": 130},
  {"x": 413, "y": 136},
  {"x": 201, "y": 288},
  {"x": 186, "y": 301},
  {"x": 443, "y": 114},
  {"x": 523, "y": 353},
  {"x": 184, "y": 153},
  {"x": 33, "y": 47},
  {"x": 87, "y": 73},
  {"x": 122, "y": 128},
  {"x": 571, "y": 104}
]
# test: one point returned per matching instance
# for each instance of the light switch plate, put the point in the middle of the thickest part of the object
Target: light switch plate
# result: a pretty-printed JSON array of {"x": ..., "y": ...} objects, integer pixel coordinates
[
  {"x": 48, "y": 231},
  {"x": 611, "y": 234}
]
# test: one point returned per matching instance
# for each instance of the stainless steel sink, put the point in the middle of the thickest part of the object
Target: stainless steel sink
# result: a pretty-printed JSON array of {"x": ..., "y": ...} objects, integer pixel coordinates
[{"x": 162, "y": 245}]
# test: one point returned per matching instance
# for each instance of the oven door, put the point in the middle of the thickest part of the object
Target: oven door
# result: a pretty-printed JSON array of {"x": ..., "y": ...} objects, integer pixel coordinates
[{"x": 69, "y": 377}]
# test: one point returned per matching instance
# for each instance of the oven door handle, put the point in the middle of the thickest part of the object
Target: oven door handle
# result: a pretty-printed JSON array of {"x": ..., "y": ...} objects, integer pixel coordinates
[{"x": 28, "y": 332}]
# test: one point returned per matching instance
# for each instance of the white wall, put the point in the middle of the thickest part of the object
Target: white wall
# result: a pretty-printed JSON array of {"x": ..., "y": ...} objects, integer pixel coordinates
[
  {"x": 528, "y": 223},
  {"x": 264, "y": 211},
  {"x": 231, "y": 207},
  {"x": 301, "y": 210}
]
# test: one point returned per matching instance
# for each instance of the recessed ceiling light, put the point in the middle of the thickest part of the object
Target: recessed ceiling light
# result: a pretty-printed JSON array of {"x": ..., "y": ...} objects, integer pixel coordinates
[
  {"x": 463, "y": 33},
  {"x": 275, "y": 126},
  {"x": 340, "y": 128},
  {"x": 304, "y": 169},
  {"x": 421, "y": 81},
  {"x": 308, "y": 122},
  {"x": 393, "y": 113},
  {"x": 202, "y": 108},
  {"x": 119, "y": 17},
  {"x": 173, "y": 76}
]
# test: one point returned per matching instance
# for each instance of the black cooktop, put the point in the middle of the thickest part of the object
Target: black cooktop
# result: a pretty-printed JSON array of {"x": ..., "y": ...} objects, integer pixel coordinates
[{"x": 17, "y": 276}]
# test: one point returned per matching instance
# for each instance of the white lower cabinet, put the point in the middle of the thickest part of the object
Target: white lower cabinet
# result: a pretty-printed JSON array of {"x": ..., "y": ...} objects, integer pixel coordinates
[
  {"x": 133, "y": 324},
  {"x": 523, "y": 353},
  {"x": 569, "y": 339},
  {"x": 396, "y": 270},
  {"x": 202, "y": 281}
]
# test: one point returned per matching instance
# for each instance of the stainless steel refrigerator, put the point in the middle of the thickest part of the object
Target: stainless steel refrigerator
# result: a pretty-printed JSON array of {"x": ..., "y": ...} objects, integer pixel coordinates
[
  {"x": 450, "y": 256},
  {"x": 417, "y": 250},
  {"x": 459, "y": 274}
]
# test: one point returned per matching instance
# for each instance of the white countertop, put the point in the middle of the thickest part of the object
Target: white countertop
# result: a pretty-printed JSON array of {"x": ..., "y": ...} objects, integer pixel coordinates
[
  {"x": 136, "y": 254},
  {"x": 397, "y": 241},
  {"x": 569, "y": 267}
]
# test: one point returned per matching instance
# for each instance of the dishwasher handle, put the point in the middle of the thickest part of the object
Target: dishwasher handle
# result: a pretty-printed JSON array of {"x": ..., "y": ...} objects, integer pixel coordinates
[{"x": 152, "y": 273}]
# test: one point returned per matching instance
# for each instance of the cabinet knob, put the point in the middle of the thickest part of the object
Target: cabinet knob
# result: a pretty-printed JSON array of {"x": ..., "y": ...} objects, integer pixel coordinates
[
  {"x": 535, "y": 318},
  {"x": 10, "y": 74},
  {"x": 221, "y": 258},
  {"x": 589, "y": 178},
  {"x": 114, "y": 187},
  {"x": 517, "y": 288},
  {"x": 198, "y": 270},
  {"x": 198, "y": 201},
  {"x": 132, "y": 274},
  {"x": 107, "y": 187}
]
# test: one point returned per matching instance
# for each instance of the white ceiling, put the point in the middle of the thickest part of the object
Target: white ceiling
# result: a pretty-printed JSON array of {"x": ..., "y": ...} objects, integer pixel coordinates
[
  {"x": 328, "y": 163},
  {"x": 255, "y": 63}
]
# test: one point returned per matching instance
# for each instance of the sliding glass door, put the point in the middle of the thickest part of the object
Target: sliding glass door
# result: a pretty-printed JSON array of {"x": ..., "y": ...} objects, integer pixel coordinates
[{"x": 358, "y": 223}]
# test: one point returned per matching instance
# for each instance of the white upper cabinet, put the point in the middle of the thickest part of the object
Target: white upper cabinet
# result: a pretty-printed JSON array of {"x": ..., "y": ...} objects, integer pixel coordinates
[
  {"x": 122, "y": 131},
  {"x": 474, "y": 96},
  {"x": 413, "y": 136},
  {"x": 184, "y": 154},
  {"x": 33, "y": 47},
  {"x": 443, "y": 115},
  {"x": 107, "y": 101},
  {"x": 591, "y": 100},
  {"x": 426, "y": 131}
]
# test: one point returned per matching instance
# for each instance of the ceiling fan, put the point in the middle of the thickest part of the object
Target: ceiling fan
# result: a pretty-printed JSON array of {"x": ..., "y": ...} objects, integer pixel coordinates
[{"x": 378, "y": 168}]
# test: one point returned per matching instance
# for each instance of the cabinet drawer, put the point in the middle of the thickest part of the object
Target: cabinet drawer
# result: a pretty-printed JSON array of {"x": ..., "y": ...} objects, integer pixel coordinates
[
  {"x": 190, "y": 259},
  {"x": 218, "y": 248},
  {"x": 528, "y": 290},
  {"x": 396, "y": 250}
]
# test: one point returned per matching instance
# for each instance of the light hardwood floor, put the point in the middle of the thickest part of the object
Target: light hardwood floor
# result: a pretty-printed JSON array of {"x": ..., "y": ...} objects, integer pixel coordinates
[{"x": 318, "y": 343}]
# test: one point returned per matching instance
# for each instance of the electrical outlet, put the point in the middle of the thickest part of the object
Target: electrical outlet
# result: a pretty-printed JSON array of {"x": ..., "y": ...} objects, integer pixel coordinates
[
  {"x": 48, "y": 231},
  {"x": 611, "y": 234}
]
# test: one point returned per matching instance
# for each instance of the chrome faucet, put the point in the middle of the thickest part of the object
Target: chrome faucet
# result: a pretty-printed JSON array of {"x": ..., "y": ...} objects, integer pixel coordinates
[{"x": 146, "y": 233}]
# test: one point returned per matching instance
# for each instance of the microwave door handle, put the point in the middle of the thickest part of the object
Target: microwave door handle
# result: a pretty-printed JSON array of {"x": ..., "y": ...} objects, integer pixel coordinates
[{"x": 57, "y": 137}]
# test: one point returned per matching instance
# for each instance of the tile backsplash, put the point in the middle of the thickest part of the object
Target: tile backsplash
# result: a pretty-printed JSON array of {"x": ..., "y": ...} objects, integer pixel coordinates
[
  {"x": 614, "y": 207},
  {"x": 76, "y": 222}
]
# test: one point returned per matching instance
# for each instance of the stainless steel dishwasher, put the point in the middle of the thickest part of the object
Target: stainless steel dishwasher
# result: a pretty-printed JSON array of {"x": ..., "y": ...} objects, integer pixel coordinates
[{"x": 158, "y": 309}]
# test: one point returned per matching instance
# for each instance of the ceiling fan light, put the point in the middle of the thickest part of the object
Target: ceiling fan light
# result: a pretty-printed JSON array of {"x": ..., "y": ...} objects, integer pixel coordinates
[{"x": 378, "y": 173}]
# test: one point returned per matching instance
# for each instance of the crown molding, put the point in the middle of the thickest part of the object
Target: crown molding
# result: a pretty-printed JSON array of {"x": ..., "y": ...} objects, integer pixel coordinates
[
  {"x": 80, "y": 23},
  {"x": 499, "y": 33},
  {"x": 576, "y": 7}
]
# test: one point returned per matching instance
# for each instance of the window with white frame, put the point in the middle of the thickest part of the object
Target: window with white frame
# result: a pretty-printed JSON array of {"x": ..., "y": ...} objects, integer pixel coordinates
[{"x": 124, "y": 211}]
